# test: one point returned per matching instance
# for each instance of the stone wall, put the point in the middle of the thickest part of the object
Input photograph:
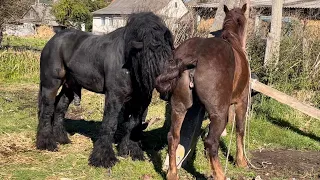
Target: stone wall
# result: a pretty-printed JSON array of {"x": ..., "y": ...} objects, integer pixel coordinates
[{"x": 26, "y": 29}]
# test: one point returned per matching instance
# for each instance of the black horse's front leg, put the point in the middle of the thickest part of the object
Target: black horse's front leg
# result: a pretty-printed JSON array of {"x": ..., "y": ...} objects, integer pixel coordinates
[
  {"x": 130, "y": 143},
  {"x": 103, "y": 154}
]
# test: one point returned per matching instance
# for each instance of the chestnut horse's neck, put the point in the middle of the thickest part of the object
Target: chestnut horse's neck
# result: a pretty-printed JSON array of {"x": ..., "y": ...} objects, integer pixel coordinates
[{"x": 233, "y": 29}]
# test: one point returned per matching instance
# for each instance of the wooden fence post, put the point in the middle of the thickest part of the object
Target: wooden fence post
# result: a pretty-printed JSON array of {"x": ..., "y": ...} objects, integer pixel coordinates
[{"x": 273, "y": 41}]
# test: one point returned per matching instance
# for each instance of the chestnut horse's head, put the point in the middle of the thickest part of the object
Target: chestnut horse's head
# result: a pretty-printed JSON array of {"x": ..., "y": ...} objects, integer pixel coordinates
[{"x": 235, "y": 20}]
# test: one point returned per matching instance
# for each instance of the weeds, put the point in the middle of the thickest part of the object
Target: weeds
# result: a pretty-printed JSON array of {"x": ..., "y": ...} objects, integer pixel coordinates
[
  {"x": 19, "y": 66},
  {"x": 24, "y": 42},
  {"x": 298, "y": 66}
]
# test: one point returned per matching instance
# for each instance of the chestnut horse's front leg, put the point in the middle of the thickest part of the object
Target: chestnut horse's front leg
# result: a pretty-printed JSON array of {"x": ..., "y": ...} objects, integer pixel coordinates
[{"x": 181, "y": 100}]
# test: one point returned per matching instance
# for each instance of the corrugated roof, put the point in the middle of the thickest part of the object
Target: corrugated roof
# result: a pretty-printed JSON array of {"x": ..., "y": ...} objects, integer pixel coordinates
[
  {"x": 262, "y": 3},
  {"x": 131, "y": 6}
]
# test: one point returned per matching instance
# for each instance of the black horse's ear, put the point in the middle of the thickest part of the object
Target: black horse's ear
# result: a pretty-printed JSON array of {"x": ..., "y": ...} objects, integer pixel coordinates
[
  {"x": 137, "y": 44},
  {"x": 225, "y": 8},
  {"x": 244, "y": 8}
]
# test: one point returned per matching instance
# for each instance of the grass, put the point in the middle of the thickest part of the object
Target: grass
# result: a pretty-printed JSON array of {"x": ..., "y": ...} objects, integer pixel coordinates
[
  {"x": 19, "y": 66},
  {"x": 272, "y": 126},
  {"x": 26, "y": 42}
]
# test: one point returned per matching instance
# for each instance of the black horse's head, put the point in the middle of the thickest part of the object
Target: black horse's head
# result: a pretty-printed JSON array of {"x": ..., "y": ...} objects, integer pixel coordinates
[{"x": 149, "y": 44}]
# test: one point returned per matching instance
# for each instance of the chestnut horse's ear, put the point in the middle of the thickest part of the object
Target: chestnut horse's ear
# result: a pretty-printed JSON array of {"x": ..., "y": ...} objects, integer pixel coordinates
[
  {"x": 225, "y": 8},
  {"x": 244, "y": 8}
]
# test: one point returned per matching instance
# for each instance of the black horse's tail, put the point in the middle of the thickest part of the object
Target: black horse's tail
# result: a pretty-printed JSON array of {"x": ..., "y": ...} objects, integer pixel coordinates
[{"x": 166, "y": 82}]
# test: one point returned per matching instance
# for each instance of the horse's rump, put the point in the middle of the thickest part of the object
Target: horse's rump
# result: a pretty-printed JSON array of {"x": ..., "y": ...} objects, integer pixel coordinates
[{"x": 188, "y": 55}]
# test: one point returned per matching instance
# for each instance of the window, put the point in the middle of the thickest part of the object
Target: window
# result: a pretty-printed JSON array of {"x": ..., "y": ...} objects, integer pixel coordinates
[
  {"x": 103, "y": 21},
  {"x": 176, "y": 4}
]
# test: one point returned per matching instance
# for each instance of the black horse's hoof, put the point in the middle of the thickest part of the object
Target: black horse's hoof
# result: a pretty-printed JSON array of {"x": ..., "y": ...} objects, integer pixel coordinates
[
  {"x": 132, "y": 149},
  {"x": 102, "y": 154},
  {"x": 46, "y": 144},
  {"x": 105, "y": 160},
  {"x": 61, "y": 136},
  {"x": 63, "y": 140}
]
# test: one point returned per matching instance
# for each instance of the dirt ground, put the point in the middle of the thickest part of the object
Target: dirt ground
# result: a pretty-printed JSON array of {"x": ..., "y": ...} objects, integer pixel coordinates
[{"x": 287, "y": 164}]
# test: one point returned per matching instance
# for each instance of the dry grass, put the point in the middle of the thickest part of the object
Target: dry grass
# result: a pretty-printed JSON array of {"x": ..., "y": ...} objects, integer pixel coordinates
[{"x": 44, "y": 32}]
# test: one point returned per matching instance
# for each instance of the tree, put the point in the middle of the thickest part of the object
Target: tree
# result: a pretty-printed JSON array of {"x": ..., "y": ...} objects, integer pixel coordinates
[
  {"x": 72, "y": 13},
  {"x": 11, "y": 11}
]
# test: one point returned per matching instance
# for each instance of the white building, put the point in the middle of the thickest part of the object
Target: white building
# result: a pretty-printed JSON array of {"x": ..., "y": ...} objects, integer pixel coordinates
[{"x": 114, "y": 16}]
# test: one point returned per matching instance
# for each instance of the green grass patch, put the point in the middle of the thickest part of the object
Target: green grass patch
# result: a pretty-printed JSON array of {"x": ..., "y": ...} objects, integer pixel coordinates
[
  {"x": 272, "y": 126},
  {"x": 20, "y": 66},
  {"x": 27, "y": 42}
]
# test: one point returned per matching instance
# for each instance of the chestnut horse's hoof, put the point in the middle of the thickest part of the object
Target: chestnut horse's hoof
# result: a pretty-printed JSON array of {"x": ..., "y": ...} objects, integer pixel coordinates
[
  {"x": 242, "y": 163},
  {"x": 172, "y": 176}
]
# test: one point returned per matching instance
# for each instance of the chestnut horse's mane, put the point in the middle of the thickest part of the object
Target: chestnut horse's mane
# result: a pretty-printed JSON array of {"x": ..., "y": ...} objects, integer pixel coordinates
[{"x": 233, "y": 29}]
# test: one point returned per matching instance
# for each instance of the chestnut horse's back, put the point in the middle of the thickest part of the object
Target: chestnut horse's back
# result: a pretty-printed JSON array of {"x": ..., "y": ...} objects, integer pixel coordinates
[{"x": 214, "y": 75}]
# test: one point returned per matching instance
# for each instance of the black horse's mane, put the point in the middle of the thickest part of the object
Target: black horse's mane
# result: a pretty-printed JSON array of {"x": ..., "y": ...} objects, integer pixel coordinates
[{"x": 146, "y": 39}]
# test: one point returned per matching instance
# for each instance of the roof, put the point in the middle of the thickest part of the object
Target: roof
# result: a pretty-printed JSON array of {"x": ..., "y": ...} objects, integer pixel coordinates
[
  {"x": 41, "y": 15},
  {"x": 131, "y": 6},
  {"x": 260, "y": 3}
]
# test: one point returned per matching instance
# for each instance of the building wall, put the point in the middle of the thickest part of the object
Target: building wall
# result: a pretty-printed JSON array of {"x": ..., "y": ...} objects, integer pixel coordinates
[
  {"x": 171, "y": 14},
  {"x": 103, "y": 24},
  {"x": 175, "y": 9},
  {"x": 26, "y": 29}
]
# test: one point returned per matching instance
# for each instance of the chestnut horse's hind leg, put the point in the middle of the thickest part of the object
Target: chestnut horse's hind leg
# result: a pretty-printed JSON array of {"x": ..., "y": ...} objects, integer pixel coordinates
[
  {"x": 218, "y": 123},
  {"x": 241, "y": 110},
  {"x": 63, "y": 100},
  {"x": 181, "y": 100},
  {"x": 47, "y": 94},
  {"x": 177, "y": 118}
]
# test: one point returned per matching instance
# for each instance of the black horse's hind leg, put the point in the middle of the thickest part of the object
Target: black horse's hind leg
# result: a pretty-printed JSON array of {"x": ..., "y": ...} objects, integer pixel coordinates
[
  {"x": 103, "y": 154},
  {"x": 130, "y": 143},
  {"x": 47, "y": 94},
  {"x": 61, "y": 106}
]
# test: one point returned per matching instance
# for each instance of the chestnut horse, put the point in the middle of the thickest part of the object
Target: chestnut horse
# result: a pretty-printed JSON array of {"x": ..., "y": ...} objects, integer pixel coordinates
[{"x": 221, "y": 78}]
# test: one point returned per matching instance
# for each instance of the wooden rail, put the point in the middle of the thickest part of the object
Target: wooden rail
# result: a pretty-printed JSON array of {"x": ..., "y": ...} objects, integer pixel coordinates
[{"x": 285, "y": 99}]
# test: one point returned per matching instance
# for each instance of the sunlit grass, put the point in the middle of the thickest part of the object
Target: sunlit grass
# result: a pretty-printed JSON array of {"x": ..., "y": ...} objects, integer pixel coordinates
[{"x": 272, "y": 126}]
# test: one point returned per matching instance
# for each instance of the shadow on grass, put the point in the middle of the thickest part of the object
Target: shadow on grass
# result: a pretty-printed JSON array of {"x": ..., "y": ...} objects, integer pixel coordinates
[
  {"x": 285, "y": 124},
  {"x": 153, "y": 142},
  {"x": 88, "y": 128}
]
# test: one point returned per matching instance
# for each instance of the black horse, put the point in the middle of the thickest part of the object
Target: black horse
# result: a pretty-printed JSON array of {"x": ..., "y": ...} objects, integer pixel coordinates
[{"x": 123, "y": 65}]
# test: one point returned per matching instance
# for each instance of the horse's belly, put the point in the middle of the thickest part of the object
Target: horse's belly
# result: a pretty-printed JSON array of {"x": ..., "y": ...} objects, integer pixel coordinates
[{"x": 91, "y": 82}]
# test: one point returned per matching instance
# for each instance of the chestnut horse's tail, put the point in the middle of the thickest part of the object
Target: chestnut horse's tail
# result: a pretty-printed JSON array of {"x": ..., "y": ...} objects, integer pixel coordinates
[{"x": 167, "y": 81}]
